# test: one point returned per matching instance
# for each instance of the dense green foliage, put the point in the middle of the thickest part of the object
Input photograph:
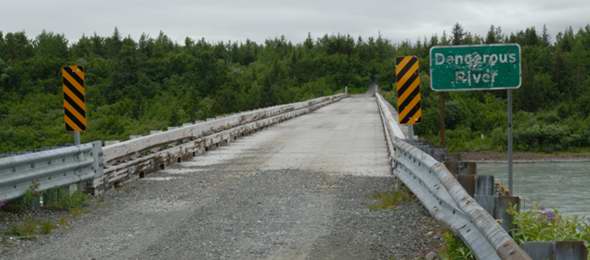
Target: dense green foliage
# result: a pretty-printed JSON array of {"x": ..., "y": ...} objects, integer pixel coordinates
[
  {"x": 137, "y": 86},
  {"x": 548, "y": 225},
  {"x": 152, "y": 83}
]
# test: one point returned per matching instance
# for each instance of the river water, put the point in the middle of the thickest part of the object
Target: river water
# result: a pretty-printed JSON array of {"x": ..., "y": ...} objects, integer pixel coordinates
[{"x": 561, "y": 185}]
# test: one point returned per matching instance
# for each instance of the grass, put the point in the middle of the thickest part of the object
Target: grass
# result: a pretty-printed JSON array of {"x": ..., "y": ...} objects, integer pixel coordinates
[
  {"x": 30, "y": 228},
  {"x": 58, "y": 199},
  {"x": 62, "y": 199},
  {"x": 29, "y": 200},
  {"x": 46, "y": 226},
  {"x": 548, "y": 225},
  {"x": 25, "y": 229},
  {"x": 63, "y": 222},
  {"x": 455, "y": 248},
  {"x": 76, "y": 212},
  {"x": 390, "y": 199},
  {"x": 55, "y": 199}
]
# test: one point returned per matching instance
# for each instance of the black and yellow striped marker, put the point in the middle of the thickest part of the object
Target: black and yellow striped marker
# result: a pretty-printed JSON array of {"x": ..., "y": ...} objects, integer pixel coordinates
[
  {"x": 74, "y": 98},
  {"x": 408, "y": 90}
]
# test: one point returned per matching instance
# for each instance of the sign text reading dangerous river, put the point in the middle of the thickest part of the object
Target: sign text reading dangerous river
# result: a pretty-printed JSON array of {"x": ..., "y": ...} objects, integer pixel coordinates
[{"x": 475, "y": 67}]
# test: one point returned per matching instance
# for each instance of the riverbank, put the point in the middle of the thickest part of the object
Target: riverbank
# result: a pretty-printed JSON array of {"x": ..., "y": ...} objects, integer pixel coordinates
[{"x": 526, "y": 157}]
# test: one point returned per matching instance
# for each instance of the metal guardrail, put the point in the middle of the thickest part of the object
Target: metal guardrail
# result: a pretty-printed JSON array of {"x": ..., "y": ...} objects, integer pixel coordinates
[
  {"x": 443, "y": 196},
  {"x": 49, "y": 169}
]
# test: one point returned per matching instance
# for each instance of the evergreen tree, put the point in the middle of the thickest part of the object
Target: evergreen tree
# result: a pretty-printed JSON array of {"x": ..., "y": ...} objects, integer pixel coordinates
[{"x": 458, "y": 35}]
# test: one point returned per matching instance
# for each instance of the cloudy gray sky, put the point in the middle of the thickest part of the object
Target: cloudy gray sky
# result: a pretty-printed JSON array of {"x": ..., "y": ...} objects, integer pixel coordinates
[{"x": 261, "y": 19}]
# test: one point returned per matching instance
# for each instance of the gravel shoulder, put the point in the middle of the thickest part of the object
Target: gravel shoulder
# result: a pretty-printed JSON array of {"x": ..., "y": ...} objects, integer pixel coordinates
[{"x": 298, "y": 190}]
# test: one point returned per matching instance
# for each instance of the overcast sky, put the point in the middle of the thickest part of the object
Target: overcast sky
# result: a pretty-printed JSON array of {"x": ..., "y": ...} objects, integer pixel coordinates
[{"x": 222, "y": 20}]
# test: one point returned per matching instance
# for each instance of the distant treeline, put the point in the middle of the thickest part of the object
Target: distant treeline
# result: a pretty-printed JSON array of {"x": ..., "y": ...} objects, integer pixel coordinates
[{"x": 134, "y": 86}]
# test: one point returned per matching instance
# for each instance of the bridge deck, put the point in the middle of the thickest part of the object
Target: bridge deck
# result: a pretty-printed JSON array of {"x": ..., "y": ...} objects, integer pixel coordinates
[{"x": 297, "y": 190}]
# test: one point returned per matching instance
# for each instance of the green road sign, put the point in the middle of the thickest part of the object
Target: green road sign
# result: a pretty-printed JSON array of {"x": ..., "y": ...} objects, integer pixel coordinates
[{"x": 475, "y": 67}]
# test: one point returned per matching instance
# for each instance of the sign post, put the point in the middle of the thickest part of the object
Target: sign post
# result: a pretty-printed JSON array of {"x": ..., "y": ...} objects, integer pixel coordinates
[
  {"x": 509, "y": 108},
  {"x": 74, "y": 100},
  {"x": 479, "y": 67}
]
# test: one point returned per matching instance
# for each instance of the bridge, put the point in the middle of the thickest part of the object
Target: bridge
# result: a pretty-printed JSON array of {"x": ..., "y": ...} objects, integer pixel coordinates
[{"x": 287, "y": 182}]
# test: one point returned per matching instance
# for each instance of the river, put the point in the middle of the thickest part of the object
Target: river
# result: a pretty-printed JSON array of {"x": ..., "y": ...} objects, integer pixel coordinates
[{"x": 561, "y": 185}]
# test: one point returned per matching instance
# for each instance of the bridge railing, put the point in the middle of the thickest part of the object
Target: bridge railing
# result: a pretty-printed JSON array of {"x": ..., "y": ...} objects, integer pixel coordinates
[
  {"x": 49, "y": 169},
  {"x": 443, "y": 196},
  {"x": 141, "y": 155},
  {"x": 99, "y": 168}
]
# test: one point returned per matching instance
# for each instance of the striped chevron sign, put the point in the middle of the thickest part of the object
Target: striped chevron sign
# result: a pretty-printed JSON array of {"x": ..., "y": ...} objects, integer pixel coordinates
[
  {"x": 74, "y": 98},
  {"x": 408, "y": 90}
]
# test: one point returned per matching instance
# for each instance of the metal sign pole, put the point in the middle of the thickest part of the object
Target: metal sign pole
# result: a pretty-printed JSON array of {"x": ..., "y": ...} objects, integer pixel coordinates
[
  {"x": 509, "y": 108},
  {"x": 77, "y": 138}
]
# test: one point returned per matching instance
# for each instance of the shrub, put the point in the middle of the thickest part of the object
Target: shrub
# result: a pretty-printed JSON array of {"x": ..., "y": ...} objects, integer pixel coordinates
[
  {"x": 390, "y": 199},
  {"x": 548, "y": 225},
  {"x": 61, "y": 199},
  {"x": 455, "y": 248}
]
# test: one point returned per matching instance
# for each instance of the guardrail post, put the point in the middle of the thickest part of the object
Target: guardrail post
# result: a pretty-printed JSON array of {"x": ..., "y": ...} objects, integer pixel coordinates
[
  {"x": 466, "y": 176},
  {"x": 571, "y": 250},
  {"x": 72, "y": 188},
  {"x": 485, "y": 191},
  {"x": 468, "y": 183},
  {"x": 503, "y": 203},
  {"x": 539, "y": 249},
  {"x": 96, "y": 184},
  {"x": 467, "y": 168},
  {"x": 485, "y": 185},
  {"x": 556, "y": 250},
  {"x": 452, "y": 163}
]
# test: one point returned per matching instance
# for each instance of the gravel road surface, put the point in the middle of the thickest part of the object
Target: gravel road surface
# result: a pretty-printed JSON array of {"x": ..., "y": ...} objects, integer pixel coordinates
[{"x": 297, "y": 190}]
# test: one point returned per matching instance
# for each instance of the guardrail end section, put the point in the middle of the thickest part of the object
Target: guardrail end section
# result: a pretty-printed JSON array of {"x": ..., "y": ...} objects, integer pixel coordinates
[{"x": 510, "y": 250}]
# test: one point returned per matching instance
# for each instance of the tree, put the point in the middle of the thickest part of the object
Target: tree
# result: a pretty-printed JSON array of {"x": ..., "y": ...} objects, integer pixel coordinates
[
  {"x": 134, "y": 86},
  {"x": 51, "y": 45},
  {"x": 17, "y": 47},
  {"x": 494, "y": 35},
  {"x": 458, "y": 35},
  {"x": 545, "y": 37}
]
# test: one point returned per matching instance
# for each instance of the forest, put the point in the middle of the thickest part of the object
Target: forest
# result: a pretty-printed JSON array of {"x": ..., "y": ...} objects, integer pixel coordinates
[{"x": 138, "y": 85}]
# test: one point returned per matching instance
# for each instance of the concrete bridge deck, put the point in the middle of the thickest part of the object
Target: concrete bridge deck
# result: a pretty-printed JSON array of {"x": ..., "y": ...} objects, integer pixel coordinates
[{"x": 297, "y": 190}]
